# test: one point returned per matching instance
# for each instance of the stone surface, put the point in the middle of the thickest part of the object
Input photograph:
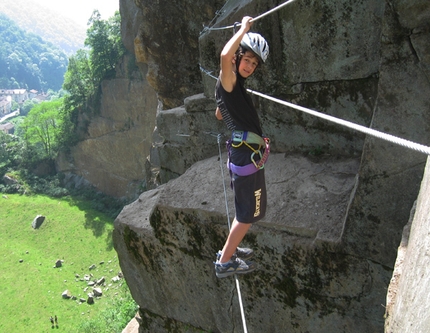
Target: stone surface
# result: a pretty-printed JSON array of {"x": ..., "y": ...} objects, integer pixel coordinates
[
  {"x": 8, "y": 180},
  {"x": 97, "y": 292},
  {"x": 90, "y": 299},
  {"x": 66, "y": 294},
  {"x": 37, "y": 221},
  {"x": 113, "y": 153},
  {"x": 390, "y": 175},
  {"x": 408, "y": 306},
  {"x": 132, "y": 327},
  {"x": 170, "y": 235},
  {"x": 185, "y": 135},
  {"x": 168, "y": 44}
]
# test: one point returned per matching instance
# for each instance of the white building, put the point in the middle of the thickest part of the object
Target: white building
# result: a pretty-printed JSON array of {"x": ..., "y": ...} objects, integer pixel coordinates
[{"x": 18, "y": 95}]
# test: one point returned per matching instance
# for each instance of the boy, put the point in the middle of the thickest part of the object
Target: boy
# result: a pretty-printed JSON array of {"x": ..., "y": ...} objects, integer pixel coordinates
[{"x": 248, "y": 150}]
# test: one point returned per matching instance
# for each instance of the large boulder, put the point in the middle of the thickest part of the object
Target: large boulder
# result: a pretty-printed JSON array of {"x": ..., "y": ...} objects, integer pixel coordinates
[
  {"x": 167, "y": 239},
  {"x": 37, "y": 221}
]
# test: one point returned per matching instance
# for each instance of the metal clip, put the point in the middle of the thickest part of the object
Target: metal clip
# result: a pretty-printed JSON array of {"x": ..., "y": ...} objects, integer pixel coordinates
[{"x": 254, "y": 162}]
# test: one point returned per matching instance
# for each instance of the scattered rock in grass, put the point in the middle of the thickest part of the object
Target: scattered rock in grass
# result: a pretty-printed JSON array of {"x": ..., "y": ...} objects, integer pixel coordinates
[
  {"x": 93, "y": 266},
  {"x": 90, "y": 299},
  {"x": 58, "y": 263},
  {"x": 116, "y": 278},
  {"x": 66, "y": 294},
  {"x": 100, "y": 281},
  {"x": 97, "y": 292},
  {"x": 37, "y": 222},
  {"x": 21, "y": 260},
  {"x": 93, "y": 283},
  {"x": 101, "y": 262},
  {"x": 5, "y": 197}
]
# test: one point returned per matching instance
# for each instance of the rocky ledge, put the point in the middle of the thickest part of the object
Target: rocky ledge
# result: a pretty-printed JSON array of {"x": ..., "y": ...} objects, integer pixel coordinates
[{"x": 167, "y": 239}]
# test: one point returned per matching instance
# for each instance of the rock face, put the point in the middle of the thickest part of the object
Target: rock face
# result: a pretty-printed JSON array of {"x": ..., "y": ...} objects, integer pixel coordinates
[
  {"x": 167, "y": 41},
  {"x": 113, "y": 154},
  {"x": 407, "y": 299},
  {"x": 339, "y": 200},
  {"x": 167, "y": 239}
]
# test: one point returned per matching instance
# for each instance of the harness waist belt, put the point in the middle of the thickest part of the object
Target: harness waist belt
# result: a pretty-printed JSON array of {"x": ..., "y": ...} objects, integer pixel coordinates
[{"x": 250, "y": 137}]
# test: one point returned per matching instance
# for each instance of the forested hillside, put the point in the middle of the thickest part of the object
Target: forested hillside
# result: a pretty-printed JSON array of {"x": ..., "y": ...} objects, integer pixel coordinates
[
  {"x": 53, "y": 125},
  {"x": 31, "y": 17},
  {"x": 27, "y": 61}
]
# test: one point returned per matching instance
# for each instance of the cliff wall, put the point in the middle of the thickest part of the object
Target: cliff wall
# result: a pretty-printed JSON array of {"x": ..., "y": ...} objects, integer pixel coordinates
[
  {"x": 338, "y": 200},
  {"x": 112, "y": 155}
]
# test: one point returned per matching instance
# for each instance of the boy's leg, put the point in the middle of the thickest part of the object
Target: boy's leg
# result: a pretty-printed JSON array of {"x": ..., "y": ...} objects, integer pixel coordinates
[{"x": 237, "y": 232}]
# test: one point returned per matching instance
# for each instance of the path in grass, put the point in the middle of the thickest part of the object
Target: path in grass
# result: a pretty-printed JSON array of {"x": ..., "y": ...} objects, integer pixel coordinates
[{"x": 30, "y": 291}]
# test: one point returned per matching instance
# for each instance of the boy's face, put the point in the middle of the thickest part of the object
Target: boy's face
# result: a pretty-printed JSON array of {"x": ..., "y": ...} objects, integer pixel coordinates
[{"x": 248, "y": 64}]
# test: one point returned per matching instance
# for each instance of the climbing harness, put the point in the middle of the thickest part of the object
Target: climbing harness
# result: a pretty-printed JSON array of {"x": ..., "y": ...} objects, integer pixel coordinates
[{"x": 258, "y": 160}]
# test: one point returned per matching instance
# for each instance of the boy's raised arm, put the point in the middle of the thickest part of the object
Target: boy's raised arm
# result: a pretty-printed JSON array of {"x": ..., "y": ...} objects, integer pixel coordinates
[{"x": 227, "y": 74}]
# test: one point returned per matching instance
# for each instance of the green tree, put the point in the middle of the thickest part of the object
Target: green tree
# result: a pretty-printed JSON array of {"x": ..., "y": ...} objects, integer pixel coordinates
[
  {"x": 104, "y": 40},
  {"x": 13, "y": 153},
  {"x": 78, "y": 81},
  {"x": 42, "y": 127},
  {"x": 27, "y": 106}
]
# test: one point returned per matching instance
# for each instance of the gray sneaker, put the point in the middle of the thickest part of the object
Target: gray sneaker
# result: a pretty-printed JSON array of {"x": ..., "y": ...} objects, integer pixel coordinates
[
  {"x": 234, "y": 266},
  {"x": 241, "y": 252}
]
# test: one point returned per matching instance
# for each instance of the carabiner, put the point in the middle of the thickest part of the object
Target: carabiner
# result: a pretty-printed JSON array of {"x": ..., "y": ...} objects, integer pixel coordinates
[{"x": 254, "y": 162}]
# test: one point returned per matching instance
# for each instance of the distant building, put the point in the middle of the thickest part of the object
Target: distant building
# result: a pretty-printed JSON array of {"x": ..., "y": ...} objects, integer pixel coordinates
[
  {"x": 5, "y": 105},
  {"x": 7, "y": 128},
  {"x": 32, "y": 93},
  {"x": 18, "y": 95}
]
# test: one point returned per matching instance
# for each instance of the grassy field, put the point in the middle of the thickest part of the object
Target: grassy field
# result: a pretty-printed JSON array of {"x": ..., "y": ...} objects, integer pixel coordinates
[{"x": 30, "y": 291}]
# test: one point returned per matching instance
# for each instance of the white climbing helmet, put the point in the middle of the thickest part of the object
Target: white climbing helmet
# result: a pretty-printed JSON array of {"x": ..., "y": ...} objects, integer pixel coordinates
[{"x": 257, "y": 44}]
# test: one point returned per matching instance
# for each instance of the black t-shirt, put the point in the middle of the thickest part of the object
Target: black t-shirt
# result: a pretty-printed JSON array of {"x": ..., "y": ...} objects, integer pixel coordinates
[{"x": 237, "y": 109}]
